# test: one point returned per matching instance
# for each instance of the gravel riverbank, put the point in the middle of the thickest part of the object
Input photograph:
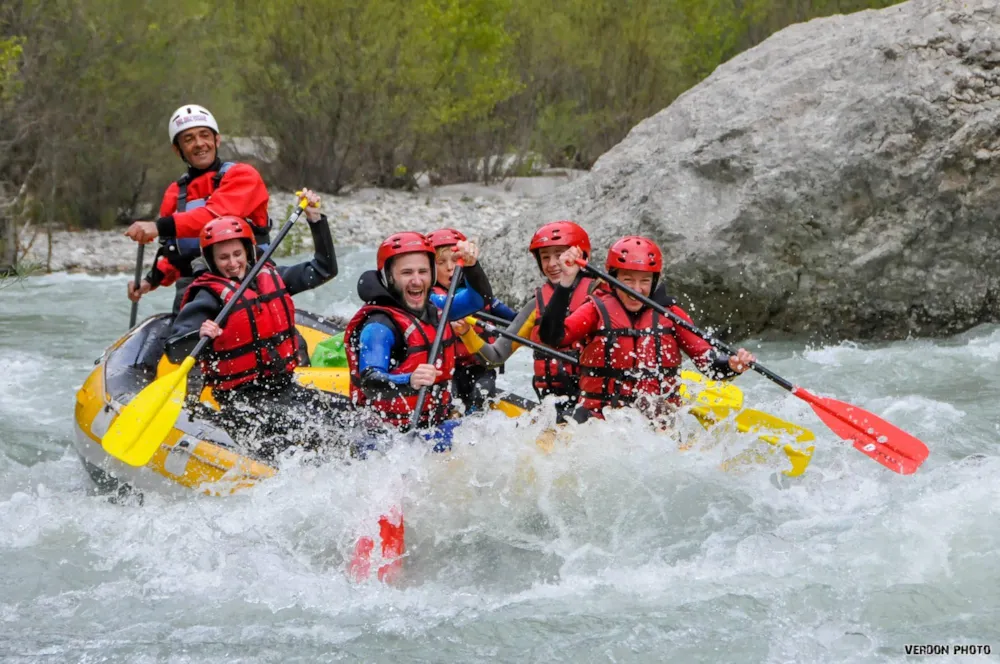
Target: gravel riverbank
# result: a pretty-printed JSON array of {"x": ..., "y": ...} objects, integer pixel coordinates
[{"x": 362, "y": 218}]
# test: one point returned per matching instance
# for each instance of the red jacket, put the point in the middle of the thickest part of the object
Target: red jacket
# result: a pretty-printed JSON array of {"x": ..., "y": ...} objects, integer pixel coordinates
[
  {"x": 395, "y": 405},
  {"x": 552, "y": 376},
  {"x": 241, "y": 193}
]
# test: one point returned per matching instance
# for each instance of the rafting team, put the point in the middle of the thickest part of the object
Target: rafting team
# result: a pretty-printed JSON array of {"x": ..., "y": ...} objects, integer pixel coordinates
[{"x": 213, "y": 224}]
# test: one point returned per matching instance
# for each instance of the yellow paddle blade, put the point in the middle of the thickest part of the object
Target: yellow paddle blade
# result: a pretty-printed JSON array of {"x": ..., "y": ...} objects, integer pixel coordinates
[
  {"x": 770, "y": 428},
  {"x": 776, "y": 431},
  {"x": 137, "y": 432}
]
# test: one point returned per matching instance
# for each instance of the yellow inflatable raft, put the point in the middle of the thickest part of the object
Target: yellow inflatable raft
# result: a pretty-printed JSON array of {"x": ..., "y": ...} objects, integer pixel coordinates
[{"x": 198, "y": 455}]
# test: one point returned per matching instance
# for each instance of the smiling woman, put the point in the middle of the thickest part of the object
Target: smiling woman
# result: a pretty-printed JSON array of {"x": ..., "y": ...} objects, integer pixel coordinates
[
  {"x": 230, "y": 258},
  {"x": 250, "y": 361}
]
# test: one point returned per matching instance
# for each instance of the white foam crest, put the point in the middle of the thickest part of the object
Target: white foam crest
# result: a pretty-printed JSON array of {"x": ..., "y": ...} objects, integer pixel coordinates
[
  {"x": 23, "y": 377},
  {"x": 930, "y": 412},
  {"x": 985, "y": 347},
  {"x": 71, "y": 278},
  {"x": 615, "y": 517},
  {"x": 833, "y": 355}
]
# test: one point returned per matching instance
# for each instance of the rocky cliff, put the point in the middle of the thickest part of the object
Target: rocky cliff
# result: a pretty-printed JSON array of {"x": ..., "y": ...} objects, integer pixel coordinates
[{"x": 840, "y": 180}]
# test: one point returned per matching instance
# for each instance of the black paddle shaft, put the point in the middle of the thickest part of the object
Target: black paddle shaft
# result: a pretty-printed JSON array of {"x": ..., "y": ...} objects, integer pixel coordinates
[
  {"x": 247, "y": 280},
  {"x": 759, "y": 368},
  {"x": 541, "y": 348},
  {"x": 492, "y": 318},
  {"x": 456, "y": 276},
  {"x": 138, "y": 280}
]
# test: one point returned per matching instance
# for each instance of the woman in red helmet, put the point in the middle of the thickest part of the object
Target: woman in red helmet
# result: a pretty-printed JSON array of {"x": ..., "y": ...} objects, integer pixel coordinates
[
  {"x": 388, "y": 341},
  {"x": 250, "y": 362},
  {"x": 631, "y": 353},
  {"x": 473, "y": 382},
  {"x": 550, "y": 376}
]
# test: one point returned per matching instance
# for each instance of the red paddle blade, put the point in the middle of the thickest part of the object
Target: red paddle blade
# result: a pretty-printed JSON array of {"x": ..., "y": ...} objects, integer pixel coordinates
[
  {"x": 886, "y": 443},
  {"x": 392, "y": 532}
]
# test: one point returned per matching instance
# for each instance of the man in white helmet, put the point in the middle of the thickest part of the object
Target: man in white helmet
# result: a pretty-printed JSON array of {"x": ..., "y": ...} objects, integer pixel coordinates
[{"x": 208, "y": 190}]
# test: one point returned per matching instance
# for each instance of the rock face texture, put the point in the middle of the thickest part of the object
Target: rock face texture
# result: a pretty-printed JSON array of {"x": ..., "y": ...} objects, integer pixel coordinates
[{"x": 840, "y": 180}]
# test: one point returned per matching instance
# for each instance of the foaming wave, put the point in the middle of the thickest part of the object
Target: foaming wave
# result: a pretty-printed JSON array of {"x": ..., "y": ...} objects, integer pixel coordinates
[
  {"x": 609, "y": 522},
  {"x": 832, "y": 355},
  {"x": 931, "y": 412},
  {"x": 22, "y": 377}
]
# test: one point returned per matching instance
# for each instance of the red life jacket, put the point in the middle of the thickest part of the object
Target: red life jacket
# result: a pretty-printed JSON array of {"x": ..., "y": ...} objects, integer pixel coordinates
[
  {"x": 627, "y": 357},
  {"x": 554, "y": 376},
  {"x": 188, "y": 248},
  {"x": 463, "y": 358},
  {"x": 258, "y": 339},
  {"x": 396, "y": 408}
]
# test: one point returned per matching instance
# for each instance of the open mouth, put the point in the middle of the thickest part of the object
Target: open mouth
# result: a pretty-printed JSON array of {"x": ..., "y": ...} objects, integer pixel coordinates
[
  {"x": 631, "y": 301},
  {"x": 415, "y": 295}
]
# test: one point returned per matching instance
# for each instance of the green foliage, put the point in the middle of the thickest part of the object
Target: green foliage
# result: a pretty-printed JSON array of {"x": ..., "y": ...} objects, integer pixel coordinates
[
  {"x": 86, "y": 130},
  {"x": 11, "y": 49},
  {"x": 357, "y": 88},
  {"x": 375, "y": 91}
]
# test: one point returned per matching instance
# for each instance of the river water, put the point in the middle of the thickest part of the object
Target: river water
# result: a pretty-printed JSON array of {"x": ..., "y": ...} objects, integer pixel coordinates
[{"x": 616, "y": 548}]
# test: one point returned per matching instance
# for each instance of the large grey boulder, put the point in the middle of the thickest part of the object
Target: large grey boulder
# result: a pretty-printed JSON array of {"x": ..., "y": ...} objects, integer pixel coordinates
[{"x": 840, "y": 180}]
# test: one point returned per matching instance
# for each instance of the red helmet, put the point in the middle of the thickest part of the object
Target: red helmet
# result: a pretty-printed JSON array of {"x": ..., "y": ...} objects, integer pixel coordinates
[
  {"x": 225, "y": 228},
  {"x": 407, "y": 242},
  {"x": 561, "y": 233},
  {"x": 635, "y": 253},
  {"x": 445, "y": 237}
]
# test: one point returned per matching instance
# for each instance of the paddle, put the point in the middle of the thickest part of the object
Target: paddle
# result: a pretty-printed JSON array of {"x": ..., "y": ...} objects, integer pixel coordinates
[
  {"x": 138, "y": 280},
  {"x": 142, "y": 425},
  {"x": 886, "y": 443},
  {"x": 392, "y": 530},
  {"x": 491, "y": 318},
  {"x": 541, "y": 348},
  {"x": 456, "y": 276},
  {"x": 709, "y": 405}
]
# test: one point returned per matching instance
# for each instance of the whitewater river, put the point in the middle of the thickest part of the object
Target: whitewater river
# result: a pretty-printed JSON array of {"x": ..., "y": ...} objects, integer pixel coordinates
[{"x": 618, "y": 548}]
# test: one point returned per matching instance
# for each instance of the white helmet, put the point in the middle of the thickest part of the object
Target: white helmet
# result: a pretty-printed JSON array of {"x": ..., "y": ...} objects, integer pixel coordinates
[{"x": 189, "y": 116}]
